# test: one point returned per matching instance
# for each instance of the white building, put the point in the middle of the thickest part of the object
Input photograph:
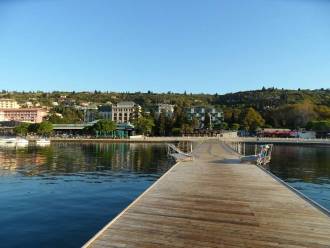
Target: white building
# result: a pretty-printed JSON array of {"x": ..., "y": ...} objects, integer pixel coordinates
[
  {"x": 122, "y": 112},
  {"x": 200, "y": 113},
  {"x": 168, "y": 109},
  {"x": 90, "y": 112},
  {"x": 8, "y": 104},
  {"x": 2, "y": 116},
  {"x": 32, "y": 115},
  {"x": 28, "y": 104},
  {"x": 125, "y": 112}
]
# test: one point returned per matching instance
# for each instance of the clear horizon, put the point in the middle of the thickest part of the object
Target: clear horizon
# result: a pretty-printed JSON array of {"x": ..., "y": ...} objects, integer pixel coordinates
[
  {"x": 195, "y": 46},
  {"x": 153, "y": 92}
]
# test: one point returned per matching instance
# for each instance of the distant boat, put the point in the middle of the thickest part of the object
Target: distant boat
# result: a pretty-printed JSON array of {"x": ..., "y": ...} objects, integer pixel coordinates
[
  {"x": 14, "y": 142},
  {"x": 21, "y": 141},
  {"x": 8, "y": 141},
  {"x": 42, "y": 142}
]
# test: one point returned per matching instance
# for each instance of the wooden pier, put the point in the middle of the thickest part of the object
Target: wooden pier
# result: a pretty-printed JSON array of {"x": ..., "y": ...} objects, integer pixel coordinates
[{"x": 214, "y": 201}]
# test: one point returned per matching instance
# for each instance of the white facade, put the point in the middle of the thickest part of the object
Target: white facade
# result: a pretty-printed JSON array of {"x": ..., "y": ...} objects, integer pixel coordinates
[
  {"x": 125, "y": 112},
  {"x": 32, "y": 115},
  {"x": 168, "y": 109},
  {"x": 2, "y": 116},
  {"x": 216, "y": 116},
  {"x": 8, "y": 104},
  {"x": 122, "y": 112}
]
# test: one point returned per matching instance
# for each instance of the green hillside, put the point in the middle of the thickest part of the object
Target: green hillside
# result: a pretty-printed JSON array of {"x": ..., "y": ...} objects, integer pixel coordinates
[{"x": 277, "y": 107}]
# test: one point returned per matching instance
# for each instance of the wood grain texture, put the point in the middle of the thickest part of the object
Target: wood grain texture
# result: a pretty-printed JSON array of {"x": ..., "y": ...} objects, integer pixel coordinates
[{"x": 214, "y": 201}]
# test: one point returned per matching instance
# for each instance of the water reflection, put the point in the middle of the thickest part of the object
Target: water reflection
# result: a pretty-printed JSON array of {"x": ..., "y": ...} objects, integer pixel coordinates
[
  {"x": 59, "y": 196},
  {"x": 66, "y": 158},
  {"x": 310, "y": 164}
]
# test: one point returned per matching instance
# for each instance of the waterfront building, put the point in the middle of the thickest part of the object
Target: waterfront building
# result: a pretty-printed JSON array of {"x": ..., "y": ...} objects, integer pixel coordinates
[
  {"x": 167, "y": 109},
  {"x": 84, "y": 104},
  {"x": 122, "y": 112},
  {"x": 125, "y": 112},
  {"x": 123, "y": 130},
  {"x": 8, "y": 104},
  {"x": 2, "y": 116},
  {"x": 28, "y": 104},
  {"x": 105, "y": 112},
  {"x": 201, "y": 113},
  {"x": 90, "y": 112},
  {"x": 32, "y": 115},
  {"x": 286, "y": 133}
]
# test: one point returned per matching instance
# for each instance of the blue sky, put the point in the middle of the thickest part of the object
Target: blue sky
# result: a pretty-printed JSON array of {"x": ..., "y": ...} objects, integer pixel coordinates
[{"x": 213, "y": 46}]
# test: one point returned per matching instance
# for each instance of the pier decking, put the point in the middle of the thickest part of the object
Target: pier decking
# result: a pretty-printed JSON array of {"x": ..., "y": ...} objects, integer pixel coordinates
[{"x": 213, "y": 201}]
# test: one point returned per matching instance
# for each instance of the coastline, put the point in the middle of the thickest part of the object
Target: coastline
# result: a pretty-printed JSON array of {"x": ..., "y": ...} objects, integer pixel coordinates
[{"x": 187, "y": 138}]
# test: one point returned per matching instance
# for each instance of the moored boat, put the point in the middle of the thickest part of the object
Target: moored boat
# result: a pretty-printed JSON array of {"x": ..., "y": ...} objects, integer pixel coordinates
[
  {"x": 43, "y": 142},
  {"x": 12, "y": 142}
]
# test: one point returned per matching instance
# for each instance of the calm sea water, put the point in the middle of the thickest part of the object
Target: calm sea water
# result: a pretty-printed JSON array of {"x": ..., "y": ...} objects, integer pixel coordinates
[
  {"x": 304, "y": 167},
  {"x": 60, "y": 196}
]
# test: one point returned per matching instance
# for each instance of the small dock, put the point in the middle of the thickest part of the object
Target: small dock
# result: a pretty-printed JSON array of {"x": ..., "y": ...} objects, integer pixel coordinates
[{"x": 214, "y": 201}]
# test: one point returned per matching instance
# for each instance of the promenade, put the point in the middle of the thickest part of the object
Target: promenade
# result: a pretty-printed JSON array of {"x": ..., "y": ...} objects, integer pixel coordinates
[
  {"x": 214, "y": 201},
  {"x": 198, "y": 139}
]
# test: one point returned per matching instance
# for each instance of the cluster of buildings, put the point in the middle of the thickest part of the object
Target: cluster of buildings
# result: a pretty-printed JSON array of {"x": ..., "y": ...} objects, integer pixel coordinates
[
  {"x": 127, "y": 112},
  {"x": 286, "y": 133},
  {"x": 11, "y": 111},
  {"x": 123, "y": 113},
  {"x": 201, "y": 114}
]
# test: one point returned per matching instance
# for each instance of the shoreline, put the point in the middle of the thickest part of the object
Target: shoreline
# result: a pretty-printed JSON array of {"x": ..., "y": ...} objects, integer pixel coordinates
[{"x": 191, "y": 139}]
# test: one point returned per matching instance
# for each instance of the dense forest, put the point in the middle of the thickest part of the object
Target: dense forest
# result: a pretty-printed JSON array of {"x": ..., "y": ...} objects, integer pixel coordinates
[{"x": 245, "y": 110}]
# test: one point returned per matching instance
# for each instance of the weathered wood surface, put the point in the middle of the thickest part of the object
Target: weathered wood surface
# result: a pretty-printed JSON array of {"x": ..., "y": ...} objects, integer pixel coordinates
[{"x": 213, "y": 201}]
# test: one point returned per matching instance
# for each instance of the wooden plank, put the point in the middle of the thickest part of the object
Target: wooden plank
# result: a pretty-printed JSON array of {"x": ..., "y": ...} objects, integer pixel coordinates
[{"x": 213, "y": 201}]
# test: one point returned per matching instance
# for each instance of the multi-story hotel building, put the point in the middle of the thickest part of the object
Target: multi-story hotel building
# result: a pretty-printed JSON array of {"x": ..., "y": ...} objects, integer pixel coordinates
[
  {"x": 200, "y": 113},
  {"x": 167, "y": 109},
  {"x": 8, "y": 104},
  {"x": 124, "y": 112},
  {"x": 32, "y": 115}
]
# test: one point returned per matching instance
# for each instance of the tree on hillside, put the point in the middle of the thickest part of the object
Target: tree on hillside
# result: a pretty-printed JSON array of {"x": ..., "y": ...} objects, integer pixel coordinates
[
  {"x": 323, "y": 112},
  {"x": 207, "y": 121},
  {"x": 195, "y": 123},
  {"x": 104, "y": 126},
  {"x": 45, "y": 128},
  {"x": 22, "y": 129},
  {"x": 186, "y": 128},
  {"x": 294, "y": 115},
  {"x": 160, "y": 124},
  {"x": 251, "y": 119},
  {"x": 231, "y": 115},
  {"x": 179, "y": 116},
  {"x": 69, "y": 115},
  {"x": 168, "y": 125},
  {"x": 33, "y": 128},
  {"x": 235, "y": 126},
  {"x": 319, "y": 126},
  {"x": 144, "y": 125}
]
